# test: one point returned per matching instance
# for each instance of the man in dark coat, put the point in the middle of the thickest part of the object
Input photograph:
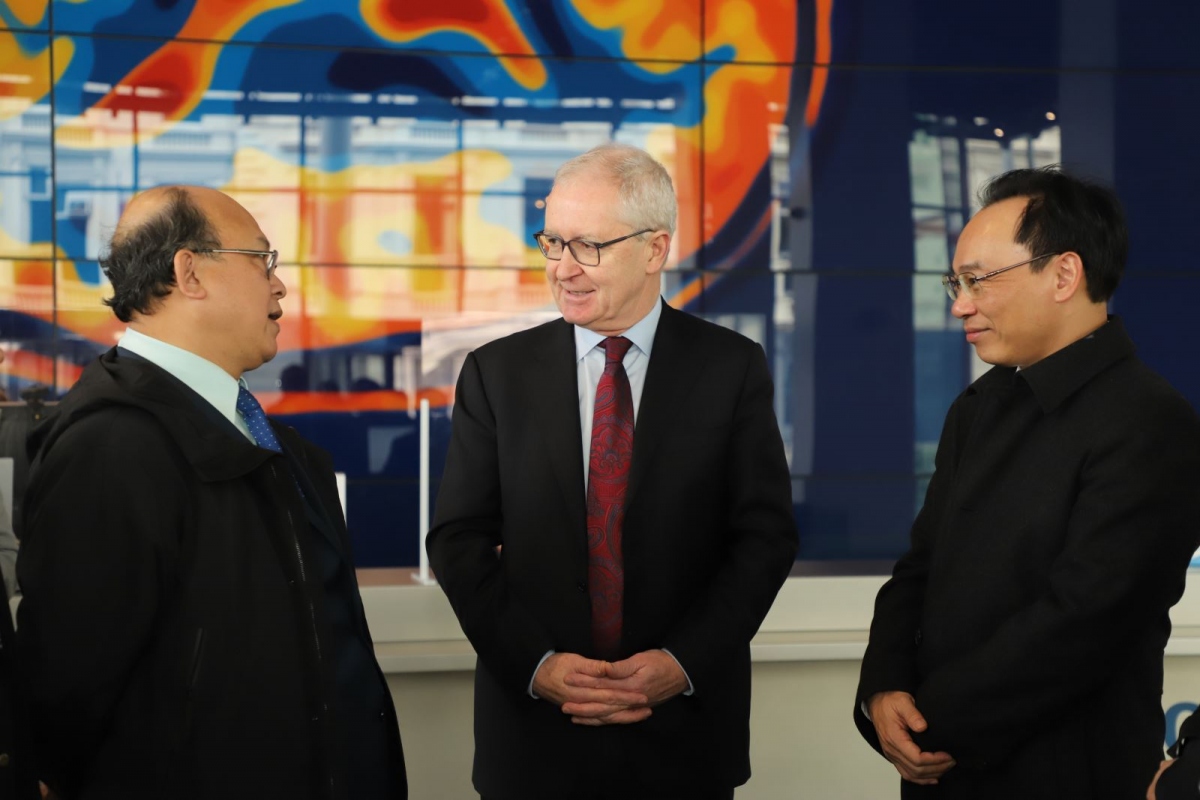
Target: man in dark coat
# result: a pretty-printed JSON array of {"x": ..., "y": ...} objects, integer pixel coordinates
[
  {"x": 627, "y": 459},
  {"x": 191, "y": 624},
  {"x": 1017, "y": 650}
]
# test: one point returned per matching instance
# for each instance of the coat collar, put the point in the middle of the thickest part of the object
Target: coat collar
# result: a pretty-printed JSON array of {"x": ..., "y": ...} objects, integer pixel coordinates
[
  {"x": 212, "y": 445},
  {"x": 1058, "y": 376}
]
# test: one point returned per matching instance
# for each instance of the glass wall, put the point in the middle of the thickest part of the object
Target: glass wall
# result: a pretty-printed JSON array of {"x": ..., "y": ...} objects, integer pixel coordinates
[{"x": 826, "y": 154}]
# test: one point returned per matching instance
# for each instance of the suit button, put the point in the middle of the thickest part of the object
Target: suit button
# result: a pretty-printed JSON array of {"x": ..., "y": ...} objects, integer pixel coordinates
[
  {"x": 917, "y": 637},
  {"x": 581, "y": 586},
  {"x": 4, "y": 759}
]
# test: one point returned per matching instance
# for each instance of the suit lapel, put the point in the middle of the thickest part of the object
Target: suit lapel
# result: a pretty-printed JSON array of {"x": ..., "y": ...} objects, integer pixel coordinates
[
  {"x": 556, "y": 406},
  {"x": 674, "y": 368}
]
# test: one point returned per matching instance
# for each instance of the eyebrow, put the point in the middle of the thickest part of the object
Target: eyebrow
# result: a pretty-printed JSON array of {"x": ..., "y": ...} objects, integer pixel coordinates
[
  {"x": 972, "y": 267},
  {"x": 266, "y": 242},
  {"x": 585, "y": 237}
]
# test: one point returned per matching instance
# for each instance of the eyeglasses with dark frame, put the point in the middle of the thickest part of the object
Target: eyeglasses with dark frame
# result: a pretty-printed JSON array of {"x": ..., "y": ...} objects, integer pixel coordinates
[
  {"x": 271, "y": 257},
  {"x": 585, "y": 252},
  {"x": 970, "y": 283}
]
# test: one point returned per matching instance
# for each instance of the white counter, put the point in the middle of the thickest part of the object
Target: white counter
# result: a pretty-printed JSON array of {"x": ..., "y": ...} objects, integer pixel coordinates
[{"x": 813, "y": 619}]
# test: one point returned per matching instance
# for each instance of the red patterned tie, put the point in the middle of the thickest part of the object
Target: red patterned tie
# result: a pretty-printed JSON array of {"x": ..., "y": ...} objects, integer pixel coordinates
[{"x": 608, "y": 475}]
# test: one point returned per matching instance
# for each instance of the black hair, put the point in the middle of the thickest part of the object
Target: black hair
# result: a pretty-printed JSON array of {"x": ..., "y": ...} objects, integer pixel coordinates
[
  {"x": 140, "y": 263},
  {"x": 1066, "y": 213}
]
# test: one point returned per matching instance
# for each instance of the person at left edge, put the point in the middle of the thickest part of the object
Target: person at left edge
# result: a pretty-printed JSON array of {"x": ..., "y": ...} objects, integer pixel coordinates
[
  {"x": 16, "y": 782},
  {"x": 191, "y": 624}
]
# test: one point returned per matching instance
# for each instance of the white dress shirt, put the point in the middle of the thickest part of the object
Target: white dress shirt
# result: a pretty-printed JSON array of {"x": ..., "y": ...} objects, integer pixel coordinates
[{"x": 200, "y": 375}]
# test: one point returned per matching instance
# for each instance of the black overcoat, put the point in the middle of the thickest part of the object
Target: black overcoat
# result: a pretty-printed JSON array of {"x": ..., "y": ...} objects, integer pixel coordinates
[
  {"x": 1029, "y": 617},
  {"x": 171, "y": 628}
]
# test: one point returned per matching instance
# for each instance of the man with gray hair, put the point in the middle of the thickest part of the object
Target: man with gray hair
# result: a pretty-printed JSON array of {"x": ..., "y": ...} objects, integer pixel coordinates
[
  {"x": 615, "y": 516},
  {"x": 191, "y": 625}
]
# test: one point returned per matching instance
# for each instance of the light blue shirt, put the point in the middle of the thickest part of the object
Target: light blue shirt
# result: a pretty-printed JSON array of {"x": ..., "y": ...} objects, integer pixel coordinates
[{"x": 200, "y": 375}]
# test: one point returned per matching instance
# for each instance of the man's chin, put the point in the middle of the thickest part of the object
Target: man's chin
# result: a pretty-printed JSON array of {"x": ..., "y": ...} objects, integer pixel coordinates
[
  {"x": 574, "y": 315},
  {"x": 991, "y": 358},
  {"x": 269, "y": 353}
]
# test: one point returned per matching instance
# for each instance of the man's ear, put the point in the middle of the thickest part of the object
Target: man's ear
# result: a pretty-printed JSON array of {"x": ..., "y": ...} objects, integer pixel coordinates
[
  {"x": 187, "y": 279},
  {"x": 1069, "y": 277},
  {"x": 658, "y": 248}
]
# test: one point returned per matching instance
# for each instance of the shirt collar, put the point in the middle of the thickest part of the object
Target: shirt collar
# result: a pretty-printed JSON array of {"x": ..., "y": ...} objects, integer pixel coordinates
[
  {"x": 1059, "y": 375},
  {"x": 641, "y": 334},
  {"x": 199, "y": 374}
]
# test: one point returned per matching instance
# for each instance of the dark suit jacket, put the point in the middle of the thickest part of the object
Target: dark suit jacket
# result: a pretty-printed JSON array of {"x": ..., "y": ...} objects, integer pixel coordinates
[
  {"x": 708, "y": 539},
  {"x": 1030, "y": 616}
]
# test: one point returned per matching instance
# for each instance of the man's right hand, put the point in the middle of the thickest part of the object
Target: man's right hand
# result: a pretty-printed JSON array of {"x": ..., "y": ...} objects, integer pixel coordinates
[
  {"x": 894, "y": 715},
  {"x": 597, "y": 706}
]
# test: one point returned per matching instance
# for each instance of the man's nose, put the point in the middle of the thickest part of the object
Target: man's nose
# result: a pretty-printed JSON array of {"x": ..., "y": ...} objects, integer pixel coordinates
[
  {"x": 566, "y": 267},
  {"x": 963, "y": 305}
]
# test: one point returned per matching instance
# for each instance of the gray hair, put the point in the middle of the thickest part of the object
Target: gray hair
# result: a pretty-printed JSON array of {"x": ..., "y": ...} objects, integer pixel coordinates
[{"x": 646, "y": 193}]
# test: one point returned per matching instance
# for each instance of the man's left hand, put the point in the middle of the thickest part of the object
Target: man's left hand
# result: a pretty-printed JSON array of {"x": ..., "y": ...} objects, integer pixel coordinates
[{"x": 653, "y": 673}]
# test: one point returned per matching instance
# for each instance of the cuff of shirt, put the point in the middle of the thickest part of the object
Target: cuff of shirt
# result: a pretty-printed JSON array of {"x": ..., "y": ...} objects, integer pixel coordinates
[
  {"x": 534, "y": 675},
  {"x": 691, "y": 690}
]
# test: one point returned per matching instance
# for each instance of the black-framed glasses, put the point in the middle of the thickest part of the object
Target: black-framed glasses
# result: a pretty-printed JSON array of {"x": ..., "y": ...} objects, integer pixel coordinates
[
  {"x": 585, "y": 252},
  {"x": 269, "y": 257},
  {"x": 969, "y": 282}
]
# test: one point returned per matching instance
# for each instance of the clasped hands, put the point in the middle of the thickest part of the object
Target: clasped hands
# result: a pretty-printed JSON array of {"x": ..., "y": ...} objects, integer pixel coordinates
[
  {"x": 609, "y": 693},
  {"x": 895, "y": 716}
]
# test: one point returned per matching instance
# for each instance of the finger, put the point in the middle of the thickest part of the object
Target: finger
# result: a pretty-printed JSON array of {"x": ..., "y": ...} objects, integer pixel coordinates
[
  {"x": 925, "y": 772},
  {"x": 912, "y": 719},
  {"x": 910, "y": 757},
  {"x": 924, "y": 759},
  {"x": 921, "y": 778},
  {"x": 903, "y": 749},
  {"x": 922, "y": 762},
  {"x": 631, "y": 684},
  {"x": 591, "y": 722},
  {"x": 590, "y": 710},
  {"x": 591, "y": 681},
  {"x": 598, "y": 707},
  {"x": 612, "y": 697},
  {"x": 590, "y": 667},
  {"x": 626, "y": 717},
  {"x": 611, "y": 713},
  {"x": 619, "y": 670}
]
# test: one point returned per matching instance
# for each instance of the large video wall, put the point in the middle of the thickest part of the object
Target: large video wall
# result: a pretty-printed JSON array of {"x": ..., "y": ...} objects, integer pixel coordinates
[{"x": 396, "y": 152}]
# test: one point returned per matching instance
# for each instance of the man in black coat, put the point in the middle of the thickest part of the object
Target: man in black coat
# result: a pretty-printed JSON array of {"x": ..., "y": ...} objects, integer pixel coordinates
[
  {"x": 191, "y": 624},
  {"x": 626, "y": 461},
  {"x": 1017, "y": 650}
]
